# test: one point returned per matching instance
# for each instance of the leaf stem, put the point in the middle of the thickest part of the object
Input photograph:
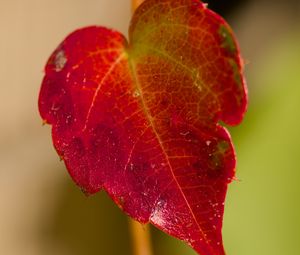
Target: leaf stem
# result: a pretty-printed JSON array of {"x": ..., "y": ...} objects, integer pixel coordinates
[
  {"x": 140, "y": 235},
  {"x": 135, "y": 4}
]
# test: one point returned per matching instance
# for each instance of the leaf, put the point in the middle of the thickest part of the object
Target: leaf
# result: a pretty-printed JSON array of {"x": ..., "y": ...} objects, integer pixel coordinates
[{"x": 140, "y": 119}]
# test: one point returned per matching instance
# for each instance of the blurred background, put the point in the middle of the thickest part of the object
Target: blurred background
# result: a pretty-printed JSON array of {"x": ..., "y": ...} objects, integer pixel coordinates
[{"x": 43, "y": 212}]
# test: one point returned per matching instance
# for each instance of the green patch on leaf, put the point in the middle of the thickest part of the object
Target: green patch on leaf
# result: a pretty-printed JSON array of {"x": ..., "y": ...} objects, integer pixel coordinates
[
  {"x": 236, "y": 73},
  {"x": 228, "y": 40}
]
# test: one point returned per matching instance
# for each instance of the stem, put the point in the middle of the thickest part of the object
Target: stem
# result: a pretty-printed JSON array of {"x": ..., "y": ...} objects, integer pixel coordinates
[
  {"x": 135, "y": 4},
  {"x": 140, "y": 235}
]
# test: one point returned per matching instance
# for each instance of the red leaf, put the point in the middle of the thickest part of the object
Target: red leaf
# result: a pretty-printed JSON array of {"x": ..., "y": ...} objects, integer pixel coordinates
[{"x": 140, "y": 119}]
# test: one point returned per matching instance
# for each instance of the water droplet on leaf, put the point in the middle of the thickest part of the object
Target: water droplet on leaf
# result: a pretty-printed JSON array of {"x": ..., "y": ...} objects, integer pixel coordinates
[{"x": 136, "y": 93}]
